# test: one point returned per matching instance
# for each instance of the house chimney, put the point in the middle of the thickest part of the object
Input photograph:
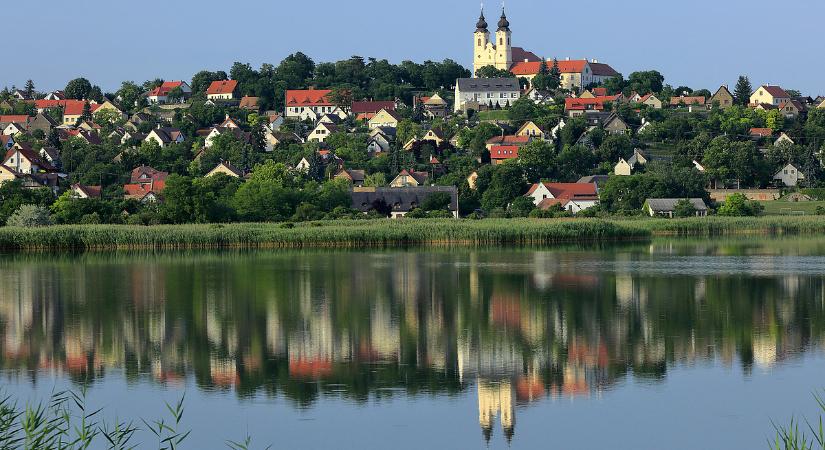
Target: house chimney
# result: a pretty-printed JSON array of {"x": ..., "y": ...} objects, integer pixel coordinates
[{"x": 567, "y": 58}]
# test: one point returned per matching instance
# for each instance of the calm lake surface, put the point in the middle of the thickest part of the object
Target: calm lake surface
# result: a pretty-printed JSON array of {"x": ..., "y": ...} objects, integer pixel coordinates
[{"x": 676, "y": 344}]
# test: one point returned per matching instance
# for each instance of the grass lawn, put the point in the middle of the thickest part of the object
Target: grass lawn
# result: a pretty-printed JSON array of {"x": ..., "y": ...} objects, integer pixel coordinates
[
  {"x": 500, "y": 114},
  {"x": 783, "y": 208}
]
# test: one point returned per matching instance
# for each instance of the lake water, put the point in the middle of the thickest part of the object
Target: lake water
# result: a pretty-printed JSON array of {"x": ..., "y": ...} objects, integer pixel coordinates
[{"x": 674, "y": 344}]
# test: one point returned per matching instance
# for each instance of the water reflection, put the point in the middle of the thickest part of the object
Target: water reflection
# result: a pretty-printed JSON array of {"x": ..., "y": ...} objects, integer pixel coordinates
[{"x": 514, "y": 327}]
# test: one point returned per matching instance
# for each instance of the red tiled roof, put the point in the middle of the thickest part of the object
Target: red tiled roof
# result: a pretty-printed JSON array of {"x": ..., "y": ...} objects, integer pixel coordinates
[
  {"x": 532, "y": 67},
  {"x": 150, "y": 174},
  {"x": 520, "y": 54},
  {"x": 372, "y": 106},
  {"x": 508, "y": 140},
  {"x": 687, "y": 100},
  {"x": 602, "y": 70},
  {"x": 776, "y": 91},
  {"x": 17, "y": 118},
  {"x": 504, "y": 152},
  {"x": 90, "y": 191},
  {"x": 222, "y": 87},
  {"x": 581, "y": 104},
  {"x": 75, "y": 107},
  {"x": 569, "y": 191},
  {"x": 308, "y": 97},
  {"x": 164, "y": 89},
  {"x": 599, "y": 91},
  {"x": 761, "y": 132}
]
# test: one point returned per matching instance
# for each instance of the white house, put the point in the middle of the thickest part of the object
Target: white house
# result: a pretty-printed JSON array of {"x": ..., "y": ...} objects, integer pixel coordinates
[
  {"x": 573, "y": 197},
  {"x": 472, "y": 93},
  {"x": 322, "y": 132},
  {"x": 789, "y": 176}
]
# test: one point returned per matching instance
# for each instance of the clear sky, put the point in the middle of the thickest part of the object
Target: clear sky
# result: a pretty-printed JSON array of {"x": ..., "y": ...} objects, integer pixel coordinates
[{"x": 701, "y": 43}]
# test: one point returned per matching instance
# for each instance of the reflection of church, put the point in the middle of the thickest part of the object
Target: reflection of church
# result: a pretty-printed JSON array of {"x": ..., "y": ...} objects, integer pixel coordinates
[{"x": 496, "y": 399}]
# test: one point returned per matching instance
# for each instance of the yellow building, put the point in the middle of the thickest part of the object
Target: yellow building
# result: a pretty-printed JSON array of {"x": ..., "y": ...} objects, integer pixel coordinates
[
  {"x": 497, "y": 53},
  {"x": 530, "y": 129},
  {"x": 227, "y": 169},
  {"x": 384, "y": 119},
  {"x": 771, "y": 95}
]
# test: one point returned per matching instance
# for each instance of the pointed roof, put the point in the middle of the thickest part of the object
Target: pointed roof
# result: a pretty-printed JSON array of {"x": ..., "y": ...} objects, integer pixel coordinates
[
  {"x": 481, "y": 25},
  {"x": 503, "y": 23}
]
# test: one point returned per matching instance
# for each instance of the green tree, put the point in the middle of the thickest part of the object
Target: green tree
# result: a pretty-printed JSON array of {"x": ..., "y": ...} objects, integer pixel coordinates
[
  {"x": 492, "y": 72},
  {"x": 743, "y": 90},
  {"x": 554, "y": 80},
  {"x": 739, "y": 205},
  {"x": 28, "y": 91},
  {"x": 28, "y": 216},
  {"x": 78, "y": 89},
  {"x": 86, "y": 115},
  {"x": 521, "y": 207},
  {"x": 130, "y": 95},
  {"x": 506, "y": 182},
  {"x": 684, "y": 208},
  {"x": 377, "y": 179},
  {"x": 536, "y": 159},
  {"x": 541, "y": 79},
  {"x": 650, "y": 81}
]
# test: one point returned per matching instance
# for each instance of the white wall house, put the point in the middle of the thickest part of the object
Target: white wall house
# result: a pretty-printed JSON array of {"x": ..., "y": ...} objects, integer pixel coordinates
[{"x": 472, "y": 93}]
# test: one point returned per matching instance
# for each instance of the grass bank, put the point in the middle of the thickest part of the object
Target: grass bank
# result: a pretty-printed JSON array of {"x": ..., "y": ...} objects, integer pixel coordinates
[
  {"x": 387, "y": 233},
  {"x": 344, "y": 234},
  {"x": 730, "y": 226}
]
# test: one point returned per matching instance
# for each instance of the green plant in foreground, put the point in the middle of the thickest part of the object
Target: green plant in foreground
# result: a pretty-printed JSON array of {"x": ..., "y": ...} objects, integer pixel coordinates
[
  {"x": 66, "y": 422},
  {"x": 790, "y": 437}
]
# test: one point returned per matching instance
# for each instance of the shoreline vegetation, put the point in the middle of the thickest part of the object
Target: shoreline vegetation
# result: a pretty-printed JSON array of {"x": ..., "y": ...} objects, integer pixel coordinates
[{"x": 388, "y": 233}]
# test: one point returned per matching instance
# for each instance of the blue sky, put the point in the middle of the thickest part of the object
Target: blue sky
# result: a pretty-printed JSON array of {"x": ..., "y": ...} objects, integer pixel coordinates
[{"x": 702, "y": 43}]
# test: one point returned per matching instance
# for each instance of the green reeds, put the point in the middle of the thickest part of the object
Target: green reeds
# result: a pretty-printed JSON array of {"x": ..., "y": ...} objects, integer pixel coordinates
[{"x": 375, "y": 233}]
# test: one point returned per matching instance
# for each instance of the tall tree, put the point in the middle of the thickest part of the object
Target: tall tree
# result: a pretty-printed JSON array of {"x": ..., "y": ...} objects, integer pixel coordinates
[
  {"x": 29, "y": 89},
  {"x": 554, "y": 80},
  {"x": 78, "y": 89},
  {"x": 87, "y": 112},
  {"x": 742, "y": 93}
]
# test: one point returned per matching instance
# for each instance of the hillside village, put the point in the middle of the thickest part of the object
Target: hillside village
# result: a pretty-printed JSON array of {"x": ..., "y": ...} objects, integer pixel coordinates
[{"x": 521, "y": 135}]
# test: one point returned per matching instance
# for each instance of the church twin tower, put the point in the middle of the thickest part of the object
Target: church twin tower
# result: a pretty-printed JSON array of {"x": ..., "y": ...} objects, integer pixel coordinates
[{"x": 497, "y": 53}]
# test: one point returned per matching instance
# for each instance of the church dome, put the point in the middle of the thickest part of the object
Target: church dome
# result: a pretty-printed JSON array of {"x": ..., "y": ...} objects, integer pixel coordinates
[
  {"x": 503, "y": 23},
  {"x": 482, "y": 23}
]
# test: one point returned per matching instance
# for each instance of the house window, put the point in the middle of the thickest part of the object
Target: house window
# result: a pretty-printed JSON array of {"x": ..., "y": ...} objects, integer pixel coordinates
[{"x": 479, "y": 42}]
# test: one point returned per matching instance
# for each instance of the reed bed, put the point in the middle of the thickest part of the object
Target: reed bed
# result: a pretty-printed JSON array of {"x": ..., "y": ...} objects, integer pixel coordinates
[
  {"x": 724, "y": 226},
  {"x": 394, "y": 233},
  {"x": 343, "y": 234}
]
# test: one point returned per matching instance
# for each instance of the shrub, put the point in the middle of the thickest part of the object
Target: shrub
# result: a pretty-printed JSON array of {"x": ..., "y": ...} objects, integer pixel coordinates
[
  {"x": 521, "y": 207},
  {"x": 684, "y": 208},
  {"x": 28, "y": 216},
  {"x": 739, "y": 205},
  {"x": 542, "y": 213}
]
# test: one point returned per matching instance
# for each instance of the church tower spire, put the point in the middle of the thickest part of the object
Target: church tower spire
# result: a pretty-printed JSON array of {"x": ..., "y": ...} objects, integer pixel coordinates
[{"x": 504, "y": 48}]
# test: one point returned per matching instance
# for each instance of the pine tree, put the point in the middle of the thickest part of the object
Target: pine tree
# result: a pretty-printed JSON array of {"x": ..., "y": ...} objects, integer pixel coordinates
[
  {"x": 54, "y": 139},
  {"x": 555, "y": 76},
  {"x": 87, "y": 112},
  {"x": 742, "y": 93},
  {"x": 541, "y": 79},
  {"x": 29, "y": 90}
]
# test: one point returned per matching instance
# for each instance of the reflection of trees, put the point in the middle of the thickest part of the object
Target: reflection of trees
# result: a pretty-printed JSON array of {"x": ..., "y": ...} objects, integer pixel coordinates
[{"x": 305, "y": 325}]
